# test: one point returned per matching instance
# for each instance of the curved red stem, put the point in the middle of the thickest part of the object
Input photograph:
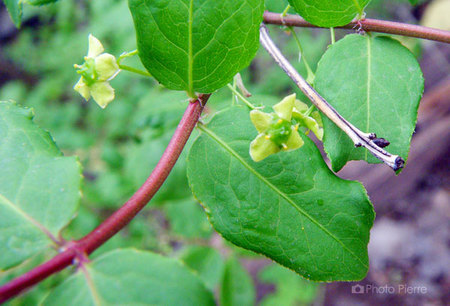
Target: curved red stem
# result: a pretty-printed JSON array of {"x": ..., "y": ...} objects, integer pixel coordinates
[
  {"x": 119, "y": 219},
  {"x": 369, "y": 25}
]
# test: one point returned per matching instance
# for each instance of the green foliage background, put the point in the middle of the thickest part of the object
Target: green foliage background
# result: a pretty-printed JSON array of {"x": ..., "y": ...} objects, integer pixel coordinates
[{"x": 119, "y": 146}]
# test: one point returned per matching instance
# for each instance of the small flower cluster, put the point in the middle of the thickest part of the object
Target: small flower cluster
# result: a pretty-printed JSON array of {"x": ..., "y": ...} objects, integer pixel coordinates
[
  {"x": 278, "y": 131},
  {"x": 97, "y": 70}
]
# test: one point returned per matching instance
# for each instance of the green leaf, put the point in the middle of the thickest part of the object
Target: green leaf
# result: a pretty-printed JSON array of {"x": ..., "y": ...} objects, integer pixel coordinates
[
  {"x": 237, "y": 285},
  {"x": 276, "y": 6},
  {"x": 196, "y": 46},
  {"x": 207, "y": 262},
  {"x": 376, "y": 84},
  {"x": 14, "y": 8},
  {"x": 290, "y": 206},
  {"x": 329, "y": 13},
  {"x": 39, "y": 188},
  {"x": 131, "y": 277},
  {"x": 40, "y": 2},
  {"x": 291, "y": 289},
  {"x": 151, "y": 113},
  {"x": 187, "y": 219}
]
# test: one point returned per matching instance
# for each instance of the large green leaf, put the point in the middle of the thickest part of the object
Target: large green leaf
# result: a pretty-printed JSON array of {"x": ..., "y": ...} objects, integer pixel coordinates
[
  {"x": 237, "y": 285},
  {"x": 196, "y": 45},
  {"x": 290, "y": 206},
  {"x": 329, "y": 13},
  {"x": 376, "y": 84},
  {"x": 131, "y": 277},
  {"x": 39, "y": 188}
]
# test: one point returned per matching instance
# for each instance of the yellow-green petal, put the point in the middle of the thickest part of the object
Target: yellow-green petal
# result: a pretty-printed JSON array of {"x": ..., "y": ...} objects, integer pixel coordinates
[
  {"x": 102, "y": 93},
  {"x": 300, "y": 107},
  {"x": 95, "y": 47},
  {"x": 318, "y": 118},
  {"x": 310, "y": 123},
  {"x": 261, "y": 147},
  {"x": 83, "y": 89},
  {"x": 105, "y": 66},
  {"x": 318, "y": 128},
  {"x": 260, "y": 120},
  {"x": 285, "y": 107},
  {"x": 294, "y": 142}
]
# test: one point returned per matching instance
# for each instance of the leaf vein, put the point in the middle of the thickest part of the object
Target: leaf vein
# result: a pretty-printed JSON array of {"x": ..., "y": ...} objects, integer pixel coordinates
[
  {"x": 22, "y": 213},
  {"x": 276, "y": 190}
]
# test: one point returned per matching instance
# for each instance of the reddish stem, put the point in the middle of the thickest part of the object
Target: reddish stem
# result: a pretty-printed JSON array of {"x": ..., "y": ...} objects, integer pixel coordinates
[
  {"x": 75, "y": 250},
  {"x": 369, "y": 25}
]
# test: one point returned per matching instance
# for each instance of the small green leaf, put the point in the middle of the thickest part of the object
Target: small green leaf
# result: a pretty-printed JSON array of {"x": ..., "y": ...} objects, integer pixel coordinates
[
  {"x": 40, "y": 2},
  {"x": 237, "y": 285},
  {"x": 187, "y": 219},
  {"x": 290, "y": 206},
  {"x": 207, "y": 262},
  {"x": 131, "y": 277},
  {"x": 329, "y": 13},
  {"x": 196, "y": 46},
  {"x": 291, "y": 289},
  {"x": 14, "y": 8},
  {"x": 376, "y": 84},
  {"x": 277, "y": 6},
  {"x": 39, "y": 188}
]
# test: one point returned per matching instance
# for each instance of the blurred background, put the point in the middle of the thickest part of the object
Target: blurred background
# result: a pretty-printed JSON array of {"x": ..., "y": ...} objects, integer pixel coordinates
[{"x": 119, "y": 146}]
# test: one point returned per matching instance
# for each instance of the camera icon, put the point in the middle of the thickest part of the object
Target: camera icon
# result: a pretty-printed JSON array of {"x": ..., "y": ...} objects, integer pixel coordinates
[{"x": 358, "y": 289}]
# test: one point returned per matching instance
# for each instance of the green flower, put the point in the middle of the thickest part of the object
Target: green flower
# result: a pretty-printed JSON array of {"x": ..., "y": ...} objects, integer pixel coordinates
[
  {"x": 97, "y": 70},
  {"x": 276, "y": 130}
]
